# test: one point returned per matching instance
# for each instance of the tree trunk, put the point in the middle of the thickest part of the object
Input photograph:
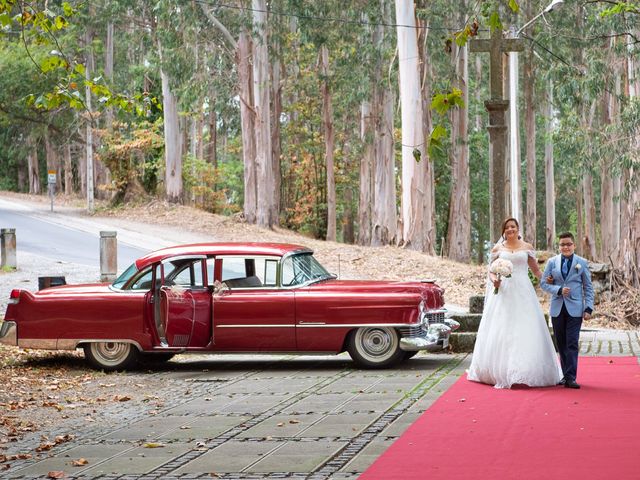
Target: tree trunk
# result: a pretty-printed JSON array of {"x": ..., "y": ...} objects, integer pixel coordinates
[
  {"x": 579, "y": 221},
  {"x": 550, "y": 192},
  {"x": 530, "y": 227},
  {"x": 459, "y": 229},
  {"x": 32, "y": 165},
  {"x": 327, "y": 120},
  {"x": 68, "y": 170},
  {"x": 266, "y": 209},
  {"x": 417, "y": 176},
  {"x": 589, "y": 217},
  {"x": 247, "y": 119},
  {"x": 276, "y": 141},
  {"x": 89, "y": 124},
  {"x": 108, "y": 71},
  {"x": 384, "y": 217},
  {"x": 172, "y": 142},
  {"x": 366, "y": 166}
]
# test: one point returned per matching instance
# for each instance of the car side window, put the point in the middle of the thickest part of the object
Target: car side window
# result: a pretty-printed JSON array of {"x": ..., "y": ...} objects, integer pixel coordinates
[
  {"x": 249, "y": 272},
  {"x": 143, "y": 281},
  {"x": 189, "y": 275}
]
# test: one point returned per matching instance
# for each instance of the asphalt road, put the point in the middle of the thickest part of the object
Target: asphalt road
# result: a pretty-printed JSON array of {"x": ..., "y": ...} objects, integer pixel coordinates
[{"x": 38, "y": 233}]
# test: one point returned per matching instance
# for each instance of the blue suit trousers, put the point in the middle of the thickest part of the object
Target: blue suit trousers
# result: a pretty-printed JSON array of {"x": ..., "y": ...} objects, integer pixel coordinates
[{"x": 566, "y": 330}]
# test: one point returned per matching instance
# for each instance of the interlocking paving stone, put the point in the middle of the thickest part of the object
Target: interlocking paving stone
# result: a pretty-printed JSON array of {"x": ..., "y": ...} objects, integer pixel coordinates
[{"x": 297, "y": 457}]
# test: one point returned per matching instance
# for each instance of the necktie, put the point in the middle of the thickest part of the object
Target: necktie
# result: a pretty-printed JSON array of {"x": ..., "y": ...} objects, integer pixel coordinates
[{"x": 565, "y": 267}]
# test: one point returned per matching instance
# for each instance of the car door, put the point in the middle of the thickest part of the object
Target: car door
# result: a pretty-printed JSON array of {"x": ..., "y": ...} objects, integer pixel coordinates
[
  {"x": 182, "y": 313},
  {"x": 251, "y": 313}
]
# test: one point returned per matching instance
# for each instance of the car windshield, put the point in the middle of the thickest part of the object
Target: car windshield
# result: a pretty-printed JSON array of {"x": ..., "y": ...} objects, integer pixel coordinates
[
  {"x": 302, "y": 268},
  {"x": 125, "y": 276}
]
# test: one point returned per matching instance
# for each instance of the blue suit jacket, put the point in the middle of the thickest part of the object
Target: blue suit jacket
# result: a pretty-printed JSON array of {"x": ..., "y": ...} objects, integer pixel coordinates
[{"x": 578, "y": 280}]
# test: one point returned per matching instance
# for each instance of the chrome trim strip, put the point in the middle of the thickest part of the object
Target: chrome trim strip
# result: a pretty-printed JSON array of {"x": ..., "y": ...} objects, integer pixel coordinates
[
  {"x": 67, "y": 343},
  {"x": 321, "y": 325},
  {"x": 287, "y": 325},
  {"x": 358, "y": 325},
  {"x": 9, "y": 333}
]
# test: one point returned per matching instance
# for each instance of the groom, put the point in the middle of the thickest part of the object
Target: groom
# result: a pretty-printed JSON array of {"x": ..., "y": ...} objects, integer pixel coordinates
[{"x": 568, "y": 280}]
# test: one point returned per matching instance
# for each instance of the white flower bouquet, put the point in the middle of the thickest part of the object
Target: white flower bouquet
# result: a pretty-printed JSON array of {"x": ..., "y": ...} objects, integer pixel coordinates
[{"x": 502, "y": 268}]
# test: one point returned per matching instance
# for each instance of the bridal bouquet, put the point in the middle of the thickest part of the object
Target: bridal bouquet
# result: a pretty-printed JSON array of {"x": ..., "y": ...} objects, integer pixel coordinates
[{"x": 501, "y": 268}]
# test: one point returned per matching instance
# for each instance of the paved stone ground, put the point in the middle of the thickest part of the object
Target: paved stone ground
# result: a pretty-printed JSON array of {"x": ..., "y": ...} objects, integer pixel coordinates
[{"x": 245, "y": 417}]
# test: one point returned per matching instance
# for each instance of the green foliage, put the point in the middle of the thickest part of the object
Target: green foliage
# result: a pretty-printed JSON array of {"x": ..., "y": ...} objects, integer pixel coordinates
[{"x": 620, "y": 8}]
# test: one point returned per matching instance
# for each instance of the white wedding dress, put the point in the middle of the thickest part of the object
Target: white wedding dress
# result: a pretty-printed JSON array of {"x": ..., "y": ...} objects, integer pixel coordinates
[{"x": 513, "y": 345}]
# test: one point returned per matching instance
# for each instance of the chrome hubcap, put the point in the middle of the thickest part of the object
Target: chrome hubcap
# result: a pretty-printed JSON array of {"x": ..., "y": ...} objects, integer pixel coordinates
[{"x": 376, "y": 342}]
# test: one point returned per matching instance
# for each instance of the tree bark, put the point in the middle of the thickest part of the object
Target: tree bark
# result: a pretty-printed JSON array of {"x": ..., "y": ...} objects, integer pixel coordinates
[
  {"x": 417, "y": 176},
  {"x": 276, "y": 141},
  {"x": 327, "y": 111},
  {"x": 247, "y": 120},
  {"x": 366, "y": 167},
  {"x": 550, "y": 191},
  {"x": 459, "y": 226},
  {"x": 530, "y": 227},
  {"x": 32, "y": 165},
  {"x": 68, "y": 170},
  {"x": 89, "y": 67},
  {"x": 384, "y": 216},
  {"x": 266, "y": 209},
  {"x": 108, "y": 71}
]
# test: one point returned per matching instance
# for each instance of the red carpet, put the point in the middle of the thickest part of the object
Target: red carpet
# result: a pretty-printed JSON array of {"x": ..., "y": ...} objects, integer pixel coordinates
[{"x": 475, "y": 431}]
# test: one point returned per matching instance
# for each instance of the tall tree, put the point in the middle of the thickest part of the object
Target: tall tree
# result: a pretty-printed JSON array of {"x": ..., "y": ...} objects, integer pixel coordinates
[
  {"x": 417, "y": 208},
  {"x": 459, "y": 231}
]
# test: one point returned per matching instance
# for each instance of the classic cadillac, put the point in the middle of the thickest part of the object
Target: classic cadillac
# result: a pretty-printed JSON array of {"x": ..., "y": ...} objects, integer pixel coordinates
[{"x": 230, "y": 298}]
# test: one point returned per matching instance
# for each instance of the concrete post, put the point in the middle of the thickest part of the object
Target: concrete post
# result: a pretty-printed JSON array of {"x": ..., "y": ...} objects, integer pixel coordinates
[
  {"x": 8, "y": 248},
  {"x": 108, "y": 256}
]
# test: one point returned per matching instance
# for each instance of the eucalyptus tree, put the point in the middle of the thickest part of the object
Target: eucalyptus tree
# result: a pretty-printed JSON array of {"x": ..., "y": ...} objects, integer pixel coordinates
[{"x": 417, "y": 181}]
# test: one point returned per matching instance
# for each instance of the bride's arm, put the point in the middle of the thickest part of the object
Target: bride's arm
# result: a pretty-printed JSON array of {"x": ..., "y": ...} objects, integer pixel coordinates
[{"x": 533, "y": 263}]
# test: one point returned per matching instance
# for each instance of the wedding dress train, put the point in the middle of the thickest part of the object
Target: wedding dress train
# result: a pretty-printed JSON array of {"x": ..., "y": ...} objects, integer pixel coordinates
[{"x": 513, "y": 345}]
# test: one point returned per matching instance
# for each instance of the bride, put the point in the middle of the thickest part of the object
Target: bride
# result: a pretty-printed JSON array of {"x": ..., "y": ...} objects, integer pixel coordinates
[{"x": 513, "y": 345}]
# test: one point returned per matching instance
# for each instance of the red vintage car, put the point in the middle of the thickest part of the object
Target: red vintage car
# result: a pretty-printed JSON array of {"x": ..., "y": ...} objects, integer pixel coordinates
[{"x": 230, "y": 298}]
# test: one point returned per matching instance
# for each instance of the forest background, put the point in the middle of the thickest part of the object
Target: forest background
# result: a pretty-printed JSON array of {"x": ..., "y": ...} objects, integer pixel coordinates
[{"x": 360, "y": 121}]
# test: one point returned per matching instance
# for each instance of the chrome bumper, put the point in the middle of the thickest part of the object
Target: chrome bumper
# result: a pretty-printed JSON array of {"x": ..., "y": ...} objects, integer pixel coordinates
[
  {"x": 9, "y": 333},
  {"x": 435, "y": 339}
]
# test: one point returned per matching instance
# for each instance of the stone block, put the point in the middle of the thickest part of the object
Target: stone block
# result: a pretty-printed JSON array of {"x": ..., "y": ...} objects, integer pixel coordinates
[
  {"x": 462, "y": 341},
  {"x": 469, "y": 322},
  {"x": 476, "y": 303}
]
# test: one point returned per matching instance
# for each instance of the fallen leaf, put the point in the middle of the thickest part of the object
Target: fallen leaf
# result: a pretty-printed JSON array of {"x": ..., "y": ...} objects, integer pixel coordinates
[
  {"x": 55, "y": 474},
  {"x": 280, "y": 424},
  {"x": 153, "y": 445},
  {"x": 121, "y": 398},
  {"x": 80, "y": 462},
  {"x": 294, "y": 421}
]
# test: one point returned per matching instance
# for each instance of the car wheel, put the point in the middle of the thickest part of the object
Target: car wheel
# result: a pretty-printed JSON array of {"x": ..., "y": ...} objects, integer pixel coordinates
[
  {"x": 110, "y": 356},
  {"x": 375, "y": 347}
]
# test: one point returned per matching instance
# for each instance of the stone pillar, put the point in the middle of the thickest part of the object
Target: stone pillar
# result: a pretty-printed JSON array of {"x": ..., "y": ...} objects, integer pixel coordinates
[
  {"x": 108, "y": 256},
  {"x": 8, "y": 248},
  {"x": 497, "y": 166}
]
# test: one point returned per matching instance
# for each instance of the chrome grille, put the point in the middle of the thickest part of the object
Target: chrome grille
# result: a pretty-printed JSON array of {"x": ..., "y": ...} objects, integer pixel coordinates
[
  {"x": 435, "y": 317},
  {"x": 413, "y": 331}
]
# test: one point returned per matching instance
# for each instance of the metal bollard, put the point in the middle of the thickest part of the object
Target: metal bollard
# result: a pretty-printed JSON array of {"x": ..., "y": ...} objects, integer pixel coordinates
[
  {"x": 108, "y": 256},
  {"x": 8, "y": 248}
]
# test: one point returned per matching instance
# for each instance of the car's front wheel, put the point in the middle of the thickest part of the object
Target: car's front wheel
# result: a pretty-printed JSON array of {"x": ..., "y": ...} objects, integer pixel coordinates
[
  {"x": 375, "y": 347},
  {"x": 111, "y": 356}
]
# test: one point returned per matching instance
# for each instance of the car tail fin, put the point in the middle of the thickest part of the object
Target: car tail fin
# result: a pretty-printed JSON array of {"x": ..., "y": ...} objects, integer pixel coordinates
[{"x": 14, "y": 296}]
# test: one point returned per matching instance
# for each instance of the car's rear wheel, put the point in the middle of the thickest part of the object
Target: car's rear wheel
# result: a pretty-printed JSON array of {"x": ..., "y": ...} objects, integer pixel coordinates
[
  {"x": 375, "y": 347},
  {"x": 111, "y": 356}
]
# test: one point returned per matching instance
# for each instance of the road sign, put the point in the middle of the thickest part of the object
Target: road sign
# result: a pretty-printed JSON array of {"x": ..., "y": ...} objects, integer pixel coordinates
[{"x": 51, "y": 176}]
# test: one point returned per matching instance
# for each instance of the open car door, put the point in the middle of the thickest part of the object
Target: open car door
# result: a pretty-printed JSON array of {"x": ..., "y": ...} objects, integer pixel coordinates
[{"x": 182, "y": 303}]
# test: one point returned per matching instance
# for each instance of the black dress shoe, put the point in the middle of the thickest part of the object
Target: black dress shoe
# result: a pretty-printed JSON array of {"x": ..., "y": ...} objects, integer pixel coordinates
[
  {"x": 562, "y": 381},
  {"x": 571, "y": 384}
]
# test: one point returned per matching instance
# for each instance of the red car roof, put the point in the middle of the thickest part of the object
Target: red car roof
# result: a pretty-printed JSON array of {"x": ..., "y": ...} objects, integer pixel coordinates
[{"x": 220, "y": 248}]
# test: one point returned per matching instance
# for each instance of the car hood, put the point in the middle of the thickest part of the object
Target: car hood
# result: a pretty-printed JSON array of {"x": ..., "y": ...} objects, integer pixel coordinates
[{"x": 432, "y": 293}]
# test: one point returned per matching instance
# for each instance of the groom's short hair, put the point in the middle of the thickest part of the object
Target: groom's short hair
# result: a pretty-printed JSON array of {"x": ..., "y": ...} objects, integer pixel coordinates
[{"x": 567, "y": 235}]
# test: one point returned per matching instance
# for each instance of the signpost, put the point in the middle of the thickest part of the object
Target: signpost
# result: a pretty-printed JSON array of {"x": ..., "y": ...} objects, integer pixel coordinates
[{"x": 51, "y": 183}]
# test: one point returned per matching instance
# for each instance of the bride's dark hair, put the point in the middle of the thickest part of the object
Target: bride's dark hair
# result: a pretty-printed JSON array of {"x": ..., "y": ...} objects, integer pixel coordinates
[{"x": 504, "y": 227}]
